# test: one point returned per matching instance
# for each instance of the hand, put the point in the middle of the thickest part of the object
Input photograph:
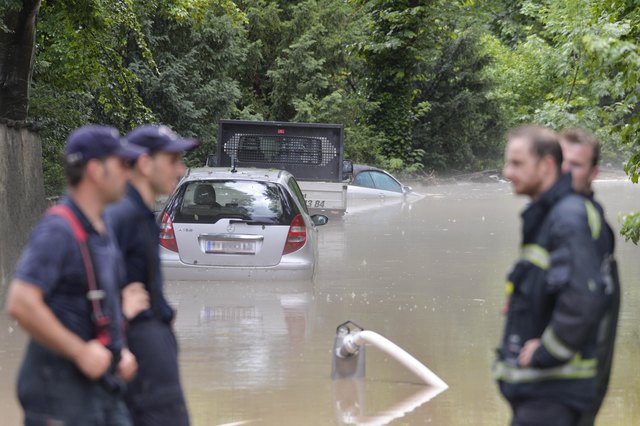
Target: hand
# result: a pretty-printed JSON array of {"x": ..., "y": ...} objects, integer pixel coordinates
[
  {"x": 93, "y": 359},
  {"x": 128, "y": 365},
  {"x": 505, "y": 307},
  {"x": 135, "y": 299},
  {"x": 526, "y": 353}
]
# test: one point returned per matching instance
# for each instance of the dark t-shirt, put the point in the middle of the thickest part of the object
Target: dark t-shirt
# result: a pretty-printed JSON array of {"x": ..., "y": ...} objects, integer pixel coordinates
[
  {"x": 52, "y": 262},
  {"x": 138, "y": 236}
]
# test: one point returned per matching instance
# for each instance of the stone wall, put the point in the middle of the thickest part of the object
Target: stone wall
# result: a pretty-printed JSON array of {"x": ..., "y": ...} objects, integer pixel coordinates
[{"x": 22, "y": 198}]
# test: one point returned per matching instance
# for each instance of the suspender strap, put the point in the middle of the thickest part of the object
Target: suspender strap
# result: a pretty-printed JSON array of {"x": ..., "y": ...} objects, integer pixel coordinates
[{"x": 94, "y": 294}]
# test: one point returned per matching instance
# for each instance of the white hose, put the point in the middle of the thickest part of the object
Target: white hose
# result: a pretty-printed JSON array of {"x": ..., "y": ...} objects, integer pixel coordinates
[{"x": 353, "y": 341}]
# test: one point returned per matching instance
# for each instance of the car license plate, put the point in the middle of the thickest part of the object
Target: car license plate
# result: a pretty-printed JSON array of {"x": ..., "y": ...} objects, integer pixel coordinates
[
  {"x": 230, "y": 247},
  {"x": 313, "y": 204}
]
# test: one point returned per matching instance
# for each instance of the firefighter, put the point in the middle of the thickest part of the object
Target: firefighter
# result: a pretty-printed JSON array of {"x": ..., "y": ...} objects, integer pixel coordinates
[
  {"x": 581, "y": 153},
  {"x": 155, "y": 396},
  {"x": 65, "y": 294},
  {"x": 546, "y": 364}
]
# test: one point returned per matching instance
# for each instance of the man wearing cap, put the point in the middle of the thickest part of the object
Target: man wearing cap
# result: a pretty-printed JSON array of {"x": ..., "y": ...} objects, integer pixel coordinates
[
  {"x": 155, "y": 396},
  {"x": 65, "y": 294}
]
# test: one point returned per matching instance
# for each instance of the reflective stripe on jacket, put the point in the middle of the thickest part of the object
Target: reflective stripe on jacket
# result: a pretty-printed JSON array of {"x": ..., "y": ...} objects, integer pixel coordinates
[
  {"x": 557, "y": 296},
  {"x": 577, "y": 368}
]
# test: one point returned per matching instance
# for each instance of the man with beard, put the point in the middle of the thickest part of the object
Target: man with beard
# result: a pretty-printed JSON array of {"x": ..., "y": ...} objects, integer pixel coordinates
[
  {"x": 581, "y": 153},
  {"x": 546, "y": 363}
]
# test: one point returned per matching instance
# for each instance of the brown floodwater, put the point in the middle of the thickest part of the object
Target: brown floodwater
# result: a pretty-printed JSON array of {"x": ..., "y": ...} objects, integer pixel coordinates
[{"x": 428, "y": 275}]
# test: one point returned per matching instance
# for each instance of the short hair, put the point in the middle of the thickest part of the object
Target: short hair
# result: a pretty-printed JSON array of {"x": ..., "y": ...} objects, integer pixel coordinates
[
  {"x": 74, "y": 172},
  {"x": 584, "y": 138},
  {"x": 543, "y": 141}
]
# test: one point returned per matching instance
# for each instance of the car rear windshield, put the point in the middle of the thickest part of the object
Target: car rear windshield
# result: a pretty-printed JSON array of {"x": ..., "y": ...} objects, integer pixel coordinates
[{"x": 208, "y": 201}]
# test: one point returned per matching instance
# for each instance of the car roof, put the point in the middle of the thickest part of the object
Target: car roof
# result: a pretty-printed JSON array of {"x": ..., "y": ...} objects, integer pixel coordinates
[
  {"x": 241, "y": 173},
  {"x": 358, "y": 168}
]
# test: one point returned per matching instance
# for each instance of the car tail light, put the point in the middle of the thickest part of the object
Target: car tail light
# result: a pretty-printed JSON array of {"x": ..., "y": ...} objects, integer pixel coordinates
[
  {"x": 297, "y": 236},
  {"x": 167, "y": 236}
]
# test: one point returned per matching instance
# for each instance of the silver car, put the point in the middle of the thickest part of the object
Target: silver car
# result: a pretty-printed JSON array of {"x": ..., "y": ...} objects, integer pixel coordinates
[
  {"x": 238, "y": 225},
  {"x": 369, "y": 182}
]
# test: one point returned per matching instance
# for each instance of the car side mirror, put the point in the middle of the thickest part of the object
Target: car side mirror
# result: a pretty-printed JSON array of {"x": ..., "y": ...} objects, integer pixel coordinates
[
  {"x": 347, "y": 169},
  {"x": 319, "y": 219},
  {"x": 406, "y": 189},
  {"x": 212, "y": 160}
]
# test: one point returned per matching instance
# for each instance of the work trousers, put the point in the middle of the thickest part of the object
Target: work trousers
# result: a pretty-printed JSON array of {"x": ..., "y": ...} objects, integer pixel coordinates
[
  {"x": 155, "y": 396},
  {"x": 542, "y": 412},
  {"x": 53, "y": 392}
]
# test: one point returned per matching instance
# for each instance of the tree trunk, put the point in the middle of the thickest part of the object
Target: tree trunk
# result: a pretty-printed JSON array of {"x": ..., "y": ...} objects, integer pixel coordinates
[{"x": 17, "y": 48}]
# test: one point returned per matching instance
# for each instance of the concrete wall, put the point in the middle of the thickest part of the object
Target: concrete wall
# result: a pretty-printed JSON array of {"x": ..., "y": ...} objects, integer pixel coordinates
[{"x": 22, "y": 200}]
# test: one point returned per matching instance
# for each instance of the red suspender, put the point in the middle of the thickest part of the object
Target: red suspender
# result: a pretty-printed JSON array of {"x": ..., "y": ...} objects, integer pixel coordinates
[{"x": 94, "y": 294}]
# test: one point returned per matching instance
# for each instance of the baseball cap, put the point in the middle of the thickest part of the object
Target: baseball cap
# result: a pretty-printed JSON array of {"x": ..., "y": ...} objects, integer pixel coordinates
[
  {"x": 95, "y": 142},
  {"x": 159, "y": 138}
]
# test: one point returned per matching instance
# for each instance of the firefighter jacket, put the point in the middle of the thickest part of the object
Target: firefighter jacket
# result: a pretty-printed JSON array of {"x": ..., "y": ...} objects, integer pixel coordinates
[
  {"x": 557, "y": 294},
  {"x": 608, "y": 326}
]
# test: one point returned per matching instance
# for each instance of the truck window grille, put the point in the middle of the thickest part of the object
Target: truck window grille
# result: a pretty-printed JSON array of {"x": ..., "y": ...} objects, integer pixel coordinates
[{"x": 280, "y": 149}]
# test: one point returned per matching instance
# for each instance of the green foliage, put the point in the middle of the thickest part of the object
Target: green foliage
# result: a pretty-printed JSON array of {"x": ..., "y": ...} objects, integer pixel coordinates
[
  {"x": 631, "y": 227},
  {"x": 632, "y": 167},
  {"x": 364, "y": 145},
  {"x": 579, "y": 66},
  {"x": 80, "y": 75},
  {"x": 299, "y": 58},
  {"x": 126, "y": 63},
  {"x": 83, "y": 50},
  {"x": 189, "y": 85},
  {"x": 74, "y": 109},
  {"x": 9, "y": 5},
  {"x": 397, "y": 40},
  {"x": 461, "y": 129},
  {"x": 416, "y": 84}
]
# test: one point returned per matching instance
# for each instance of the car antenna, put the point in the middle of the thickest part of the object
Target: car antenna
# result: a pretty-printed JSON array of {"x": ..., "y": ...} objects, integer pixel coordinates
[{"x": 233, "y": 164}]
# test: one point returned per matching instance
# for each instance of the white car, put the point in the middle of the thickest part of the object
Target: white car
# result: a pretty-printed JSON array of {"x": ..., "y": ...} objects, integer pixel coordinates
[{"x": 242, "y": 224}]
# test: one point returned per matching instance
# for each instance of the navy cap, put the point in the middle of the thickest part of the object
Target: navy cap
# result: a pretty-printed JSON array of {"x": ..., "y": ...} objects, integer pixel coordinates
[
  {"x": 159, "y": 138},
  {"x": 95, "y": 142}
]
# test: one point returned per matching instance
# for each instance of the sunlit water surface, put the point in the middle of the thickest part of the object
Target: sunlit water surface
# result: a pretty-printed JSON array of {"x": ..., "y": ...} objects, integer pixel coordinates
[{"x": 427, "y": 275}]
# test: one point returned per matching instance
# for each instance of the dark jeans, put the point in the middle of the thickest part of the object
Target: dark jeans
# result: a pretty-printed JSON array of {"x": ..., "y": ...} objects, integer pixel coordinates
[
  {"x": 53, "y": 392},
  {"x": 541, "y": 412},
  {"x": 155, "y": 396}
]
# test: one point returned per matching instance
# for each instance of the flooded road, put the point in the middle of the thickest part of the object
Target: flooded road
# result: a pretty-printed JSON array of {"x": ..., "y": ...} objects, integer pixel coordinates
[{"x": 429, "y": 276}]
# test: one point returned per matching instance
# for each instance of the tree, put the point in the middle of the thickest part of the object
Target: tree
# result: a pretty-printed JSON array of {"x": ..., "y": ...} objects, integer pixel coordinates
[
  {"x": 398, "y": 38},
  {"x": 190, "y": 85},
  {"x": 458, "y": 124},
  {"x": 302, "y": 65},
  {"x": 425, "y": 76},
  {"x": 584, "y": 58},
  {"x": 80, "y": 74},
  {"x": 127, "y": 62},
  {"x": 17, "y": 42}
]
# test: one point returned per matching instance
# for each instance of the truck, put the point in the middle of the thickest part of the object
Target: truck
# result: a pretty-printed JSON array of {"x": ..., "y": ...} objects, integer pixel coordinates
[{"x": 312, "y": 152}]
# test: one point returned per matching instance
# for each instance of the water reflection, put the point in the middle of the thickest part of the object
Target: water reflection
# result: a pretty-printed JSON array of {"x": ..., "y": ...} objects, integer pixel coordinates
[
  {"x": 12, "y": 341},
  {"x": 237, "y": 331},
  {"x": 350, "y": 407}
]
